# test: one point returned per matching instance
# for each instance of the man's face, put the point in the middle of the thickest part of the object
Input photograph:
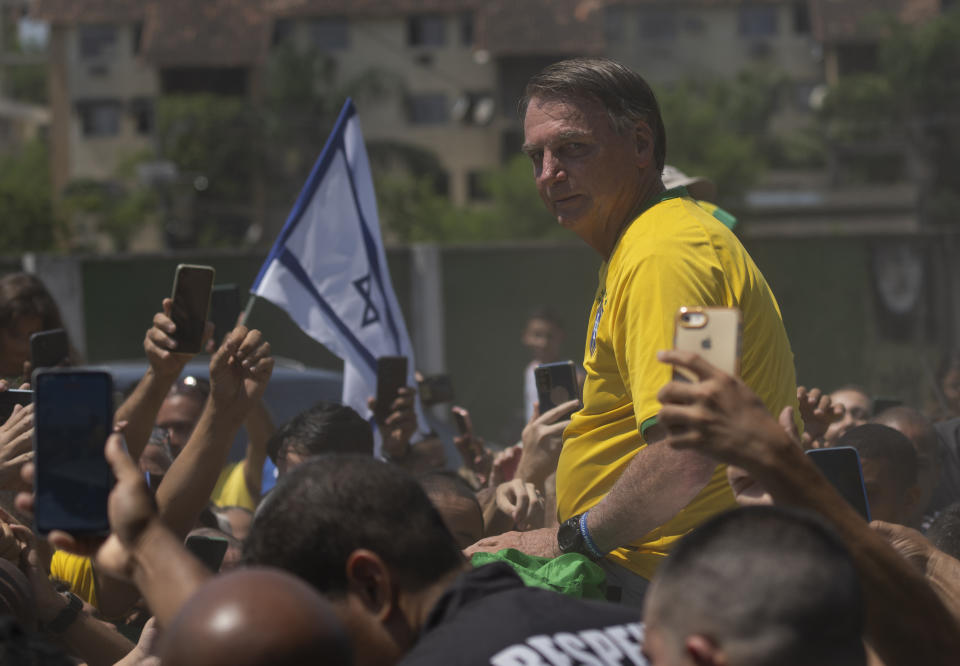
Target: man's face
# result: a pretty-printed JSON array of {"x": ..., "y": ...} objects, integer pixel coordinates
[
  {"x": 179, "y": 414},
  {"x": 856, "y": 412},
  {"x": 543, "y": 339},
  {"x": 587, "y": 174}
]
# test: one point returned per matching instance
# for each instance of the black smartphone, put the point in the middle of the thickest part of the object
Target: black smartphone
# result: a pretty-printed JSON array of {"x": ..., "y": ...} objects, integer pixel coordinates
[
  {"x": 556, "y": 384},
  {"x": 462, "y": 418},
  {"x": 73, "y": 418},
  {"x": 841, "y": 466},
  {"x": 391, "y": 377},
  {"x": 10, "y": 399},
  {"x": 207, "y": 549},
  {"x": 435, "y": 389},
  {"x": 191, "y": 303},
  {"x": 224, "y": 310},
  {"x": 49, "y": 349}
]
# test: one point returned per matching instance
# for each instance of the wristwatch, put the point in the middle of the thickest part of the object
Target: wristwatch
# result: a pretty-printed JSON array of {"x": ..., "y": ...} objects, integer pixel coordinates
[
  {"x": 66, "y": 616},
  {"x": 570, "y": 539}
]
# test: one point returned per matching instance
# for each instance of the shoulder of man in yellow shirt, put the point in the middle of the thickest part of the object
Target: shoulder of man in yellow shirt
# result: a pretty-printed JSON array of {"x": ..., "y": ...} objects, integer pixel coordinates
[{"x": 77, "y": 572}]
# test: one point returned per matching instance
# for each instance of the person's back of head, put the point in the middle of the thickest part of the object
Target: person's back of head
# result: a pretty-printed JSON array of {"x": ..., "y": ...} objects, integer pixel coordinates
[
  {"x": 457, "y": 504},
  {"x": 944, "y": 531},
  {"x": 327, "y": 427},
  {"x": 926, "y": 443},
  {"x": 757, "y": 586},
  {"x": 333, "y": 505},
  {"x": 255, "y": 617},
  {"x": 889, "y": 470}
]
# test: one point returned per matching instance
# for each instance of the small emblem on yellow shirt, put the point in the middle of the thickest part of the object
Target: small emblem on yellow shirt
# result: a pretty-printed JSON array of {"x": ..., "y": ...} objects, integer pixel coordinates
[{"x": 596, "y": 323}]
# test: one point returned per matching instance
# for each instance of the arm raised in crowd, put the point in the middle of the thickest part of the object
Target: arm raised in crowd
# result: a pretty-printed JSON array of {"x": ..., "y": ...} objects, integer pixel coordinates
[
  {"x": 239, "y": 372},
  {"x": 16, "y": 447},
  {"x": 140, "y": 409},
  {"x": 260, "y": 429},
  {"x": 721, "y": 417}
]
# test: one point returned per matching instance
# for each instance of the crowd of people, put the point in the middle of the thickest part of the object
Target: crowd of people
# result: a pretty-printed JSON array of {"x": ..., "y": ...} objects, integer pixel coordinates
[{"x": 663, "y": 520}]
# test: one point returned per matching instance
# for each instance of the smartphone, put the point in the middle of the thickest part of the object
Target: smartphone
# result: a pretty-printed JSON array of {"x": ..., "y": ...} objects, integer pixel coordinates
[
  {"x": 462, "y": 418},
  {"x": 391, "y": 377},
  {"x": 435, "y": 389},
  {"x": 207, "y": 549},
  {"x": 72, "y": 419},
  {"x": 841, "y": 466},
  {"x": 225, "y": 309},
  {"x": 191, "y": 304},
  {"x": 49, "y": 349},
  {"x": 713, "y": 333},
  {"x": 556, "y": 384},
  {"x": 10, "y": 399}
]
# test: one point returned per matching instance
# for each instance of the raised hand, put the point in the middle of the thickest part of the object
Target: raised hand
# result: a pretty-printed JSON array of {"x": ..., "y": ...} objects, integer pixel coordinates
[
  {"x": 399, "y": 425},
  {"x": 522, "y": 502},
  {"x": 240, "y": 371},
  {"x": 16, "y": 447},
  {"x": 161, "y": 349},
  {"x": 817, "y": 411},
  {"x": 542, "y": 441}
]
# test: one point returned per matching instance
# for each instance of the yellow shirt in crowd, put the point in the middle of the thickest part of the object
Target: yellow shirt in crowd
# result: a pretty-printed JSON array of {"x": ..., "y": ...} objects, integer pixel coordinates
[
  {"x": 674, "y": 254},
  {"x": 77, "y": 572},
  {"x": 231, "y": 488}
]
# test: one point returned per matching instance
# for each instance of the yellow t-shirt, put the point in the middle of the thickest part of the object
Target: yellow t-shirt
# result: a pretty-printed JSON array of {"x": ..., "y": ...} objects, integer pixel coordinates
[
  {"x": 674, "y": 254},
  {"x": 77, "y": 572},
  {"x": 231, "y": 488}
]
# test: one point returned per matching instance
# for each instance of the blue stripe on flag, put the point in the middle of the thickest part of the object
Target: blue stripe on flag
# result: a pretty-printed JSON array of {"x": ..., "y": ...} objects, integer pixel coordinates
[{"x": 296, "y": 270}]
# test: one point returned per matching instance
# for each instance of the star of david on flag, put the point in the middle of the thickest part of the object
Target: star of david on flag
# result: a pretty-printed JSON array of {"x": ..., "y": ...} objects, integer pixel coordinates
[{"x": 328, "y": 268}]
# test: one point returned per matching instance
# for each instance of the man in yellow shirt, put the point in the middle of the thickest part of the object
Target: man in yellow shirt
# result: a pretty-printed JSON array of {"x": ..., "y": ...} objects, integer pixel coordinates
[{"x": 594, "y": 134}]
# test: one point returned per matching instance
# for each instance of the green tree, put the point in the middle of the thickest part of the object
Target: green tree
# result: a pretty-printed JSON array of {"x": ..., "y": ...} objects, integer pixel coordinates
[
  {"x": 26, "y": 206},
  {"x": 903, "y": 119}
]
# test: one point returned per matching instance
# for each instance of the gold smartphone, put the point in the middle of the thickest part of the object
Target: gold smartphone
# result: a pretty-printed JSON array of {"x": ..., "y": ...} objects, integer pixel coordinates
[{"x": 713, "y": 333}]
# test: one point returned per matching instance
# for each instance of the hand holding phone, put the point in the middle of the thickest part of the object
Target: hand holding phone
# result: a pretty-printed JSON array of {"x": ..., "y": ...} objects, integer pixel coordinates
[
  {"x": 462, "y": 418},
  {"x": 556, "y": 384},
  {"x": 191, "y": 304},
  {"x": 713, "y": 333},
  {"x": 391, "y": 377},
  {"x": 841, "y": 466},
  {"x": 10, "y": 398}
]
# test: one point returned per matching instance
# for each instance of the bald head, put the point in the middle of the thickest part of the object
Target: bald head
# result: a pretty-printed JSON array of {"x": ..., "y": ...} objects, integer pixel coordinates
[
  {"x": 926, "y": 442},
  {"x": 255, "y": 617}
]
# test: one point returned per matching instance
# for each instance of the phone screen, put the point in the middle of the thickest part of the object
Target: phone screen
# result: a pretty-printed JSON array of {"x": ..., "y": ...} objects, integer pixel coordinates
[
  {"x": 48, "y": 349},
  {"x": 556, "y": 384},
  {"x": 462, "y": 419},
  {"x": 224, "y": 310},
  {"x": 191, "y": 301},
  {"x": 73, "y": 417},
  {"x": 841, "y": 466},
  {"x": 10, "y": 399},
  {"x": 391, "y": 377}
]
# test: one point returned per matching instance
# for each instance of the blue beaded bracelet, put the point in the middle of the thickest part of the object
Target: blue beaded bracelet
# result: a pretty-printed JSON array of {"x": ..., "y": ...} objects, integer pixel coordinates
[{"x": 587, "y": 540}]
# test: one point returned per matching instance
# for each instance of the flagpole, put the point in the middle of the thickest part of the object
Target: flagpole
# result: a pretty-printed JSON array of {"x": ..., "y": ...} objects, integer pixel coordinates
[{"x": 247, "y": 309}]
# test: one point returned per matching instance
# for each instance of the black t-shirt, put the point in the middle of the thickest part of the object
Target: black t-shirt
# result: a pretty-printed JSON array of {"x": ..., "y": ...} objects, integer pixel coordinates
[{"x": 488, "y": 617}]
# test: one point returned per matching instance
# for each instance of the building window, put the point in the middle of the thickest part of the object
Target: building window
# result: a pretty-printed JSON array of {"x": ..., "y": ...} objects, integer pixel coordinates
[
  {"x": 801, "y": 18},
  {"x": 282, "y": 31},
  {"x": 136, "y": 37},
  {"x": 658, "y": 24},
  {"x": 466, "y": 29},
  {"x": 426, "y": 30},
  {"x": 141, "y": 108},
  {"x": 428, "y": 109},
  {"x": 758, "y": 21},
  {"x": 329, "y": 34},
  {"x": 97, "y": 41},
  {"x": 613, "y": 16},
  {"x": 478, "y": 186},
  {"x": 99, "y": 118}
]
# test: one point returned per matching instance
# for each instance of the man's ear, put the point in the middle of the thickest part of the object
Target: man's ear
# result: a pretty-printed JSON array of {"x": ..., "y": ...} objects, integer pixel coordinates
[
  {"x": 369, "y": 579},
  {"x": 703, "y": 651},
  {"x": 644, "y": 142}
]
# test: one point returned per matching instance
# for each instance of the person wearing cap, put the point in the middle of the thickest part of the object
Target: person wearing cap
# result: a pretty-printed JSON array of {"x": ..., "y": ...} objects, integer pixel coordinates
[
  {"x": 702, "y": 189},
  {"x": 593, "y": 131}
]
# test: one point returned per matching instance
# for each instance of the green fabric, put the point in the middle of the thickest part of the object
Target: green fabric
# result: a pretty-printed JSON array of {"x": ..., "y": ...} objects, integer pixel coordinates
[
  {"x": 729, "y": 220},
  {"x": 571, "y": 574}
]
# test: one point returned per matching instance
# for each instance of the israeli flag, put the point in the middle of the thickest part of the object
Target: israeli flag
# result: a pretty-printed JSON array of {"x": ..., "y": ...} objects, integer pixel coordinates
[{"x": 328, "y": 269}]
